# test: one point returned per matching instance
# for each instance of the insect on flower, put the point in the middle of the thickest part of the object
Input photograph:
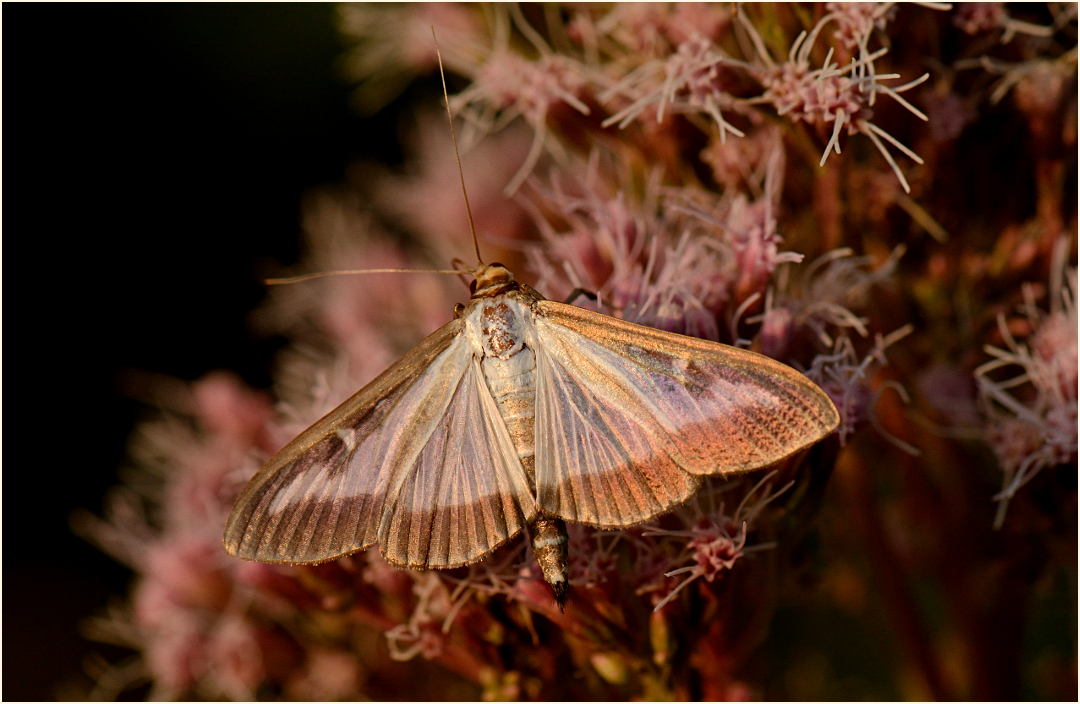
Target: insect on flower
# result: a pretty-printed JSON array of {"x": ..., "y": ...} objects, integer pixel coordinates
[{"x": 520, "y": 414}]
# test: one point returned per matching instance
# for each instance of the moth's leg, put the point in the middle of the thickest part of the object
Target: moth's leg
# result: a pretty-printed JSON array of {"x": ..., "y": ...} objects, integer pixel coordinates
[
  {"x": 458, "y": 310},
  {"x": 578, "y": 292}
]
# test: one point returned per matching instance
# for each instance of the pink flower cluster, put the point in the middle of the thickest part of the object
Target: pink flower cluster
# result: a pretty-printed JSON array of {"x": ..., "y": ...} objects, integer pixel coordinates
[
  {"x": 846, "y": 379},
  {"x": 695, "y": 80},
  {"x": 527, "y": 88},
  {"x": 631, "y": 263},
  {"x": 856, "y": 21},
  {"x": 208, "y": 625},
  {"x": 692, "y": 265},
  {"x": 1040, "y": 431},
  {"x": 651, "y": 59},
  {"x": 652, "y": 30},
  {"x": 817, "y": 96},
  {"x": 714, "y": 541},
  {"x": 976, "y": 17},
  {"x": 822, "y": 301},
  {"x": 194, "y": 611},
  {"x": 679, "y": 222},
  {"x": 507, "y": 86},
  {"x": 392, "y": 45},
  {"x": 841, "y": 96}
]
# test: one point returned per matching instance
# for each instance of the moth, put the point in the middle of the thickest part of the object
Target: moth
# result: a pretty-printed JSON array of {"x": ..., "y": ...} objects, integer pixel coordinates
[
  {"x": 518, "y": 415},
  {"x": 522, "y": 413}
]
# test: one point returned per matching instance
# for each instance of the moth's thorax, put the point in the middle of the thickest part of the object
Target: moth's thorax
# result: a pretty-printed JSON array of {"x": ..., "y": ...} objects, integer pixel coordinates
[
  {"x": 500, "y": 326},
  {"x": 503, "y": 338}
]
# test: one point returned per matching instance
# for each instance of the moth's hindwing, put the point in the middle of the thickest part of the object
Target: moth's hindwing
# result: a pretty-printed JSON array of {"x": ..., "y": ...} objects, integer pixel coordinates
[
  {"x": 465, "y": 492},
  {"x": 628, "y": 417}
]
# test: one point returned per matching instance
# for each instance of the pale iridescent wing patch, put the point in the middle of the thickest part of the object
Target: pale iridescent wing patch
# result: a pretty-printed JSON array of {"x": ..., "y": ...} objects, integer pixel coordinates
[
  {"x": 464, "y": 493},
  {"x": 629, "y": 416}
]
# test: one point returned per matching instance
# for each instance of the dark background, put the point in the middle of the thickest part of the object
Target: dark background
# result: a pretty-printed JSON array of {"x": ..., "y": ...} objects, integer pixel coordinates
[{"x": 156, "y": 158}]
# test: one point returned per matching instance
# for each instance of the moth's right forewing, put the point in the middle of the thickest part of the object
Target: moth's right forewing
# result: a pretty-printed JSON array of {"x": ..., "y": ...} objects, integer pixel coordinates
[
  {"x": 619, "y": 403},
  {"x": 601, "y": 458},
  {"x": 322, "y": 495}
]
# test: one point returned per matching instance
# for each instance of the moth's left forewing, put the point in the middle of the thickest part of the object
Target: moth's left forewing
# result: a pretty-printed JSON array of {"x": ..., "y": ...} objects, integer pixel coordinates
[
  {"x": 721, "y": 409},
  {"x": 322, "y": 495}
]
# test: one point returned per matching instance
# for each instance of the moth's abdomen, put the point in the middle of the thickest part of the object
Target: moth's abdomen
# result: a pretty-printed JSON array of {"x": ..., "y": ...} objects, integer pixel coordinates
[
  {"x": 512, "y": 385},
  {"x": 509, "y": 367},
  {"x": 550, "y": 546}
]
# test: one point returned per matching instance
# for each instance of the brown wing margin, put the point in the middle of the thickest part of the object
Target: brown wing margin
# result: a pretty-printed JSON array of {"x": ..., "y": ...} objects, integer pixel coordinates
[
  {"x": 706, "y": 407},
  {"x": 321, "y": 496}
]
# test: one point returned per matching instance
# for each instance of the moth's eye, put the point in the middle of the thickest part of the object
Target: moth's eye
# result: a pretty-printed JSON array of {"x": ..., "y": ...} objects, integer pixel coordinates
[
  {"x": 472, "y": 287},
  {"x": 496, "y": 264}
]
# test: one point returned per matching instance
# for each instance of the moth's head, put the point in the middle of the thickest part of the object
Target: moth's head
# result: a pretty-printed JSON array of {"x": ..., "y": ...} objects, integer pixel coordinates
[{"x": 491, "y": 279}]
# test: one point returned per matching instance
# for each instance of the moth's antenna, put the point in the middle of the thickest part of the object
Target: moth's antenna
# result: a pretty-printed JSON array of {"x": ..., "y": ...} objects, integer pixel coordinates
[
  {"x": 457, "y": 155},
  {"x": 320, "y": 274}
]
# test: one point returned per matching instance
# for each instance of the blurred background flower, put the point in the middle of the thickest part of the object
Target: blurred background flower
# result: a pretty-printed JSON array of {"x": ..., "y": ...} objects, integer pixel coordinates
[{"x": 724, "y": 172}]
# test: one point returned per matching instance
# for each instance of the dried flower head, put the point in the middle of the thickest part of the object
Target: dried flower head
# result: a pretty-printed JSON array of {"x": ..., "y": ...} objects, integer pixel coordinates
[
  {"x": 1039, "y": 83},
  {"x": 421, "y": 634}
]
